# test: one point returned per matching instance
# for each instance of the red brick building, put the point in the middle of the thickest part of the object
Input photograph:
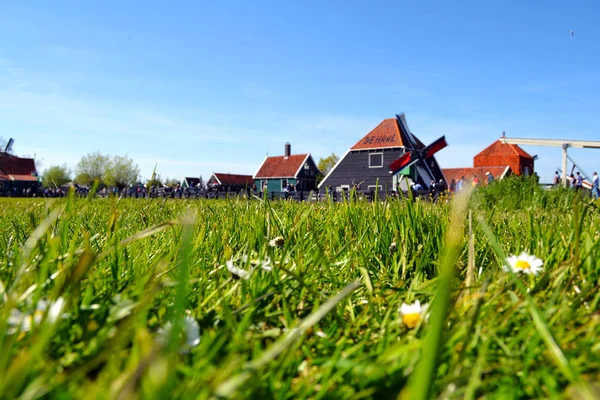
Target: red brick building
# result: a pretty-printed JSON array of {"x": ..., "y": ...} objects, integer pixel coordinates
[
  {"x": 17, "y": 174},
  {"x": 499, "y": 159}
]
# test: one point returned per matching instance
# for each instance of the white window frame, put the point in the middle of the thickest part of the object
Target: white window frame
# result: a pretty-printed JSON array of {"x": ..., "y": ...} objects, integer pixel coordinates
[
  {"x": 342, "y": 187},
  {"x": 375, "y": 154},
  {"x": 282, "y": 185},
  {"x": 372, "y": 187}
]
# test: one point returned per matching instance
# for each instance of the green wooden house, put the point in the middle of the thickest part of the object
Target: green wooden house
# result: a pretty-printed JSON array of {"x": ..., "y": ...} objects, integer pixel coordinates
[{"x": 278, "y": 172}]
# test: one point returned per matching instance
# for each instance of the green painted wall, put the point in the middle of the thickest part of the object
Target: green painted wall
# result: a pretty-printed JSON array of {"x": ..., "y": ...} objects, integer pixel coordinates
[{"x": 273, "y": 185}]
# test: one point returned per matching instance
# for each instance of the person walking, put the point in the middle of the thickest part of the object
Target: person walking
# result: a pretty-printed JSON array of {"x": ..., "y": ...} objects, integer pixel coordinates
[
  {"x": 490, "y": 177},
  {"x": 578, "y": 181},
  {"x": 595, "y": 190},
  {"x": 556, "y": 180}
]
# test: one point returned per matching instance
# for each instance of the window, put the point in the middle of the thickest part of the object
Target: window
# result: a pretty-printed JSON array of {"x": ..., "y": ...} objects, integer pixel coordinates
[
  {"x": 342, "y": 188},
  {"x": 526, "y": 172},
  {"x": 283, "y": 184},
  {"x": 375, "y": 160},
  {"x": 375, "y": 187}
]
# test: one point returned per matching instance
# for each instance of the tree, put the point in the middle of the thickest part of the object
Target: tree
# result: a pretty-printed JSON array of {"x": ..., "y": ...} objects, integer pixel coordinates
[
  {"x": 121, "y": 171},
  {"x": 56, "y": 175},
  {"x": 91, "y": 167},
  {"x": 327, "y": 163},
  {"x": 155, "y": 181},
  {"x": 171, "y": 182}
]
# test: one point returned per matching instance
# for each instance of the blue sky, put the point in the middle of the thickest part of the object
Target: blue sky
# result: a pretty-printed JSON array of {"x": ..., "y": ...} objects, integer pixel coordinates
[{"x": 201, "y": 87}]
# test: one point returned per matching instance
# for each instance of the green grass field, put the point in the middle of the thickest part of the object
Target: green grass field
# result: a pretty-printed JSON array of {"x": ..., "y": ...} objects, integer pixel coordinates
[{"x": 106, "y": 298}]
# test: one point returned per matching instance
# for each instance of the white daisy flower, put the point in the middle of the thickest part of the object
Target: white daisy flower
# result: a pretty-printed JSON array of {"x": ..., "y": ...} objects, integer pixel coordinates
[
  {"x": 263, "y": 264},
  {"x": 276, "y": 242},
  {"x": 237, "y": 272},
  {"x": 191, "y": 330},
  {"x": 524, "y": 263},
  {"x": 24, "y": 322},
  {"x": 413, "y": 314}
]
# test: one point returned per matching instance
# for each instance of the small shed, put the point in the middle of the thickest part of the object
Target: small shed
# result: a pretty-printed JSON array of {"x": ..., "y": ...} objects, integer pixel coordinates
[
  {"x": 231, "y": 182},
  {"x": 500, "y": 154},
  {"x": 279, "y": 172},
  {"x": 499, "y": 159}
]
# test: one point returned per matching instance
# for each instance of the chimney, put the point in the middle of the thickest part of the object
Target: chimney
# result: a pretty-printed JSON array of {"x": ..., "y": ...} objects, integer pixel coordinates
[{"x": 288, "y": 150}]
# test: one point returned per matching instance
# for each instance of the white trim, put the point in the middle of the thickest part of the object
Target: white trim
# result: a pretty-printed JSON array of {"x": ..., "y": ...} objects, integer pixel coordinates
[
  {"x": 263, "y": 163},
  {"x": 379, "y": 187},
  {"x": 333, "y": 169},
  {"x": 302, "y": 164},
  {"x": 505, "y": 172},
  {"x": 286, "y": 183},
  {"x": 376, "y": 154},
  {"x": 341, "y": 188},
  {"x": 217, "y": 178},
  {"x": 378, "y": 148}
]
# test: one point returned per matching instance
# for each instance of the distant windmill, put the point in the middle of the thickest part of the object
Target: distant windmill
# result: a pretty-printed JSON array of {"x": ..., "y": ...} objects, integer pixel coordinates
[
  {"x": 9, "y": 144},
  {"x": 420, "y": 157}
]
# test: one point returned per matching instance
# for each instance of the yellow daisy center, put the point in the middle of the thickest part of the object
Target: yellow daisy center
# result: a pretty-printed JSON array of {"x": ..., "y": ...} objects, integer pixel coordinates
[
  {"x": 522, "y": 264},
  {"x": 411, "y": 320}
]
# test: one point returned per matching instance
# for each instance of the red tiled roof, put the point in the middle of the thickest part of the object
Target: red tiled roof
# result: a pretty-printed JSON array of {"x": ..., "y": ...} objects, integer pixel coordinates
[
  {"x": 17, "y": 177},
  {"x": 469, "y": 173},
  {"x": 281, "y": 167},
  {"x": 499, "y": 149},
  {"x": 11, "y": 165},
  {"x": 386, "y": 134},
  {"x": 232, "y": 179}
]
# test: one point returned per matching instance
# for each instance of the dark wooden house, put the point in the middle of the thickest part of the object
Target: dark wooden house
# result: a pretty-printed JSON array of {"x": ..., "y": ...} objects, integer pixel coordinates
[
  {"x": 230, "y": 182},
  {"x": 17, "y": 175},
  {"x": 277, "y": 173},
  {"x": 366, "y": 164}
]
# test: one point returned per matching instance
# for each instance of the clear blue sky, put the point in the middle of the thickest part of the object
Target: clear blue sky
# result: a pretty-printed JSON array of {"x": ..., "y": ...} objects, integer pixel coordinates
[{"x": 202, "y": 87}]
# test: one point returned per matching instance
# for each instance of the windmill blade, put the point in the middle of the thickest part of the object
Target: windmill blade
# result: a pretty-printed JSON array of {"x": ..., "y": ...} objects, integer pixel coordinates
[
  {"x": 8, "y": 148},
  {"x": 402, "y": 162},
  {"x": 407, "y": 133},
  {"x": 434, "y": 147}
]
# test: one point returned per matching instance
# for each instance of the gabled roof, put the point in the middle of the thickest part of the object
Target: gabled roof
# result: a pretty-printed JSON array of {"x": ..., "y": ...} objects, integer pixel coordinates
[
  {"x": 479, "y": 172},
  {"x": 233, "y": 179},
  {"x": 12, "y": 165},
  {"x": 192, "y": 181},
  {"x": 385, "y": 135},
  {"x": 499, "y": 149},
  {"x": 388, "y": 134},
  {"x": 281, "y": 166}
]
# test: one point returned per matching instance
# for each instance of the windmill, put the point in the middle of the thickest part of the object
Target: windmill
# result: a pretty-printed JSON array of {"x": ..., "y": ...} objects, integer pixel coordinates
[
  {"x": 8, "y": 148},
  {"x": 419, "y": 156}
]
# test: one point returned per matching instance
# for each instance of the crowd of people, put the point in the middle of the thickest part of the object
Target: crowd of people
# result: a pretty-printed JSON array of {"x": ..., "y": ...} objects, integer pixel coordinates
[{"x": 575, "y": 181}]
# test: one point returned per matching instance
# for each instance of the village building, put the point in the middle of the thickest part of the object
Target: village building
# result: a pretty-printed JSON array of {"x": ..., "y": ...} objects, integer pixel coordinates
[
  {"x": 498, "y": 159},
  {"x": 367, "y": 164},
  {"x": 17, "y": 175},
  {"x": 189, "y": 182},
  {"x": 277, "y": 173},
  {"x": 230, "y": 182}
]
